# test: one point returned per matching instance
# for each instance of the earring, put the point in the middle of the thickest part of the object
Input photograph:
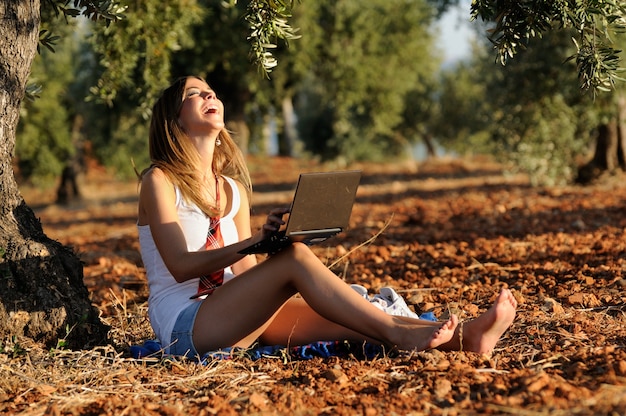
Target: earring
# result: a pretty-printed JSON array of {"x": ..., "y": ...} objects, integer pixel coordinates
[{"x": 218, "y": 142}]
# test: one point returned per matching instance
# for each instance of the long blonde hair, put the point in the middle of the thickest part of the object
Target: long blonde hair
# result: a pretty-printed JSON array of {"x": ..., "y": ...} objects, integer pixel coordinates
[{"x": 173, "y": 153}]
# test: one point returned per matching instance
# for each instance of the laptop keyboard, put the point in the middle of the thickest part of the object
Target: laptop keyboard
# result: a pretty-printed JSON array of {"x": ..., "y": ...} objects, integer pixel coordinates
[
  {"x": 277, "y": 242},
  {"x": 274, "y": 243},
  {"x": 278, "y": 236}
]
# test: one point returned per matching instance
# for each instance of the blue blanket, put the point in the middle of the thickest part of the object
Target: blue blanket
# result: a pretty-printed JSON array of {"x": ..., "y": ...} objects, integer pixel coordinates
[{"x": 322, "y": 349}]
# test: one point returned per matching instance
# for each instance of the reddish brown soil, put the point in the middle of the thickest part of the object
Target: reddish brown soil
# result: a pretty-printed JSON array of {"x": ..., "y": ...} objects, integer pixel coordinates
[{"x": 448, "y": 236}]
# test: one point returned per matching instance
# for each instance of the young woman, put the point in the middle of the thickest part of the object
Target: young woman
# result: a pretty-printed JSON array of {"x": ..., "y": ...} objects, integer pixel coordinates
[{"x": 194, "y": 218}]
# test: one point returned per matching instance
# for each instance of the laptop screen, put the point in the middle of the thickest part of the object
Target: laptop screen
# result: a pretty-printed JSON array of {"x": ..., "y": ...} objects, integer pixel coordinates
[{"x": 322, "y": 203}]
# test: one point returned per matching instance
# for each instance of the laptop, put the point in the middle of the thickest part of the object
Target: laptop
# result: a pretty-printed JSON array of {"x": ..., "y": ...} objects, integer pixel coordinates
[{"x": 320, "y": 209}]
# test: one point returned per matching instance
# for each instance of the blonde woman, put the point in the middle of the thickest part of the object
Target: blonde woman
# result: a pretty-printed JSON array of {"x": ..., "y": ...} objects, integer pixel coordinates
[{"x": 194, "y": 218}]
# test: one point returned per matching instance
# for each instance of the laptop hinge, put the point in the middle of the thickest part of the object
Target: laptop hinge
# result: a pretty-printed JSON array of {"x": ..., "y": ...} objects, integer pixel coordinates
[{"x": 309, "y": 232}]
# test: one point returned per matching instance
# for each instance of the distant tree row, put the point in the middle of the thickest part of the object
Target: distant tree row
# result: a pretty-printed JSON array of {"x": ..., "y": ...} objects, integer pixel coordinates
[
  {"x": 345, "y": 90},
  {"x": 532, "y": 114},
  {"x": 363, "y": 82}
]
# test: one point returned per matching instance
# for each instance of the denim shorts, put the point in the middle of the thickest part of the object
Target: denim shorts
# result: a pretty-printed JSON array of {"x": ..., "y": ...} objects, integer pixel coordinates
[{"x": 181, "y": 339}]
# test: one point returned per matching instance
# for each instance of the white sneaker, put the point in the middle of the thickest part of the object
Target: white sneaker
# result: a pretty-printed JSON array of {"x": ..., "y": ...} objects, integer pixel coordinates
[
  {"x": 395, "y": 304},
  {"x": 380, "y": 303},
  {"x": 361, "y": 290}
]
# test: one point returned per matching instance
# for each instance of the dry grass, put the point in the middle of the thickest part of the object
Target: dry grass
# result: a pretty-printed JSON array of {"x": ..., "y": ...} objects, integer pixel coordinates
[
  {"x": 565, "y": 354},
  {"x": 104, "y": 380},
  {"x": 36, "y": 381}
]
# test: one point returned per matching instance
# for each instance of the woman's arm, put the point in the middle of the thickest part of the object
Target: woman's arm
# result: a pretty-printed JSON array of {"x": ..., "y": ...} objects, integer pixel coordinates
[
  {"x": 242, "y": 222},
  {"x": 157, "y": 207}
]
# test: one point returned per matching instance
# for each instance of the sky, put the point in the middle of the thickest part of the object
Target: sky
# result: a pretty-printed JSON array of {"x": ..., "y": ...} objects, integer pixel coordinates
[{"x": 455, "y": 33}]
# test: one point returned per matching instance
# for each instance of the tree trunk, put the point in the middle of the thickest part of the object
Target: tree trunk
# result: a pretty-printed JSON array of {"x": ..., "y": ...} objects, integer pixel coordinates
[
  {"x": 42, "y": 294},
  {"x": 604, "y": 157},
  {"x": 68, "y": 190},
  {"x": 431, "y": 152},
  {"x": 241, "y": 132},
  {"x": 610, "y": 151},
  {"x": 289, "y": 137},
  {"x": 621, "y": 132}
]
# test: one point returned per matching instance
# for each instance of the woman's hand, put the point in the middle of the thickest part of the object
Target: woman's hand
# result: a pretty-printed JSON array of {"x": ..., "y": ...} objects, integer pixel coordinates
[{"x": 274, "y": 221}]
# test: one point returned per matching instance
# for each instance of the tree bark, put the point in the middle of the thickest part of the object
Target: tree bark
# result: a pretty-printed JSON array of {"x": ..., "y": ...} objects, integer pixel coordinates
[
  {"x": 42, "y": 294},
  {"x": 289, "y": 137},
  {"x": 431, "y": 152},
  {"x": 621, "y": 132},
  {"x": 610, "y": 150},
  {"x": 68, "y": 190},
  {"x": 241, "y": 132}
]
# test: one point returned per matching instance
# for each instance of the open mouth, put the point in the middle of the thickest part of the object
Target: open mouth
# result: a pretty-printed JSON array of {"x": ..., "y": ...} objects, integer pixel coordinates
[{"x": 210, "y": 110}]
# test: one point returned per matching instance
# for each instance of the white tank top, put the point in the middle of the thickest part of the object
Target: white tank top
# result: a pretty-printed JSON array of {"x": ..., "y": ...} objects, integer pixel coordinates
[{"x": 168, "y": 297}]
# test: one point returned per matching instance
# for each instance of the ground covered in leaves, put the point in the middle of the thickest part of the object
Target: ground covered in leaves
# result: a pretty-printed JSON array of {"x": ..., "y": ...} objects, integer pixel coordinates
[{"x": 447, "y": 235}]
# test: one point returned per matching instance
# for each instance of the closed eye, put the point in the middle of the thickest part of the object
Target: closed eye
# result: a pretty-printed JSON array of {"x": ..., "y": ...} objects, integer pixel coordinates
[
  {"x": 192, "y": 91},
  {"x": 205, "y": 94}
]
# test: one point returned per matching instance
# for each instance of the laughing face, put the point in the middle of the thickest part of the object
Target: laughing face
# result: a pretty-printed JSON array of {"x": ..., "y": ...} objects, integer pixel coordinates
[{"x": 202, "y": 113}]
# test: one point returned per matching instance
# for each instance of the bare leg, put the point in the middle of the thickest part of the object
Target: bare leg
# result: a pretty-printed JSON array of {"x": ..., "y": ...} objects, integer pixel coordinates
[
  {"x": 296, "y": 324},
  {"x": 243, "y": 309},
  {"x": 481, "y": 334}
]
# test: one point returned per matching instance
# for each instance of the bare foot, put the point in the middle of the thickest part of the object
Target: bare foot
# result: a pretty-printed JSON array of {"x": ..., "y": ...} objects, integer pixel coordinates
[
  {"x": 481, "y": 334},
  {"x": 432, "y": 336}
]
